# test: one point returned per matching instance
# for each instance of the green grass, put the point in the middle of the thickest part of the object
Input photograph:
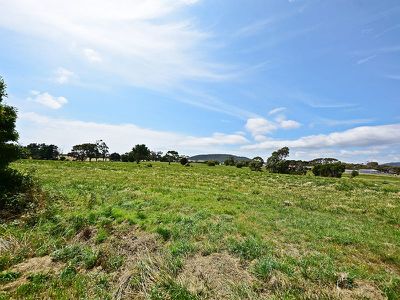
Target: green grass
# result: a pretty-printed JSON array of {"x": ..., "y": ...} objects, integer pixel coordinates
[{"x": 330, "y": 226}]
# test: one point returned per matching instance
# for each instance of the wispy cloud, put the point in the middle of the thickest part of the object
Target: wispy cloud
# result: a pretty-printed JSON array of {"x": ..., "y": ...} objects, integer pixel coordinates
[
  {"x": 321, "y": 102},
  {"x": 92, "y": 55},
  {"x": 366, "y": 59},
  {"x": 48, "y": 100},
  {"x": 332, "y": 122},
  {"x": 144, "y": 43},
  {"x": 63, "y": 76},
  {"x": 276, "y": 110},
  {"x": 389, "y": 29},
  {"x": 255, "y": 27}
]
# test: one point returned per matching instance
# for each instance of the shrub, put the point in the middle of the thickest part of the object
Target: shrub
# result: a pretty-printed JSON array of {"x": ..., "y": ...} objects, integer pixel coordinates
[
  {"x": 255, "y": 165},
  {"x": 354, "y": 173},
  {"x": 63, "y": 158},
  {"x": 184, "y": 161},
  {"x": 296, "y": 167},
  {"x": 16, "y": 191},
  {"x": 115, "y": 157},
  {"x": 329, "y": 170},
  {"x": 211, "y": 163},
  {"x": 230, "y": 161},
  {"x": 240, "y": 164}
]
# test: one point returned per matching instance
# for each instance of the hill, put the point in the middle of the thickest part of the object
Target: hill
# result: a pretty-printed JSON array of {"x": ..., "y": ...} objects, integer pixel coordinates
[
  {"x": 218, "y": 157},
  {"x": 393, "y": 164}
]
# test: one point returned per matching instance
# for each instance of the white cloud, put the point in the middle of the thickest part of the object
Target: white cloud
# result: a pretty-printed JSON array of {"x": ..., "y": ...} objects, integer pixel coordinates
[
  {"x": 146, "y": 43},
  {"x": 48, "y": 100},
  {"x": 276, "y": 110},
  {"x": 289, "y": 124},
  {"x": 260, "y": 126},
  {"x": 120, "y": 137},
  {"x": 63, "y": 75},
  {"x": 91, "y": 55},
  {"x": 364, "y": 136}
]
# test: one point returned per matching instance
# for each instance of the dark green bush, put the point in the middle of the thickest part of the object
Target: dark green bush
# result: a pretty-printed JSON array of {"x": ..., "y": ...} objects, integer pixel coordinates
[
  {"x": 184, "y": 161},
  {"x": 16, "y": 191},
  {"x": 354, "y": 173},
  {"x": 255, "y": 165},
  {"x": 329, "y": 170}
]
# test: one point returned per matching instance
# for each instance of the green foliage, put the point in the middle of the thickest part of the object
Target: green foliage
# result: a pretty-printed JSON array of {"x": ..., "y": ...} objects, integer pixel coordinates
[
  {"x": 256, "y": 164},
  {"x": 171, "y": 156},
  {"x": 15, "y": 188},
  {"x": 296, "y": 167},
  {"x": 8, "y": 276},
  {"x": 115, "y": 157},
  {"x": 212, "y": 163},
  {"x": 139, "y": 153},
  {"x": 277, "y": 162},
  {"x": 240, "y": 164},
  {"x": 230, "y": 161},
  {"x": 184, "y": 161},
  {"x": 329, "y": 170},
  {"x": 164, "y": 232},
  {"x": 9, "y": 152},
  {"x": 354, "y": 173},
  {"x": 42, "y": 151}
]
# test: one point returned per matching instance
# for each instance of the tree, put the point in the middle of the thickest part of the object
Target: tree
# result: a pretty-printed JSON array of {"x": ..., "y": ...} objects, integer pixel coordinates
[
  {"x": 184, "y": 160},
  {"x": 156, "y": 156},
  {"x": 102, "y": 149},
  {"x": 16, "y": 190},
  {"x": 115, "y": 157},
  {"x": 171, "y": 156},
  {"x": 256, "y": 164},
  {"x": 297, "y": 167},
  {"x": 125, "y": 157},
  {"x": 139, "y": 152},
  {"x": 230, "y": 161},
  {"x": 329, "y": 170},
  {"x": 328, "y": 160},
  {"x": 42, "y": 151},
  {"x": 9, "y": 151},
  {"x": 277, "y": 162},
  {"x": 84, "y": 151},
  {"x": 372, "y": 164}
]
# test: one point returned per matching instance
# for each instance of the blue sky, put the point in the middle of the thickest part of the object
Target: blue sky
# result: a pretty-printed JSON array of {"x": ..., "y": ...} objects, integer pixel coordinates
[{"x": 202, "y": 76}]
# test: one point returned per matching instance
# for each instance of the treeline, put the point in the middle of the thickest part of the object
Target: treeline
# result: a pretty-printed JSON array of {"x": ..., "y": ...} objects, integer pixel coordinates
[{"x": 276, "y": 163}]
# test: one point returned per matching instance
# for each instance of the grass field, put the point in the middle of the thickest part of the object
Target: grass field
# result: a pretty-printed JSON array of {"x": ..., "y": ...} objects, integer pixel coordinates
[{"x": 128, "y": 231}]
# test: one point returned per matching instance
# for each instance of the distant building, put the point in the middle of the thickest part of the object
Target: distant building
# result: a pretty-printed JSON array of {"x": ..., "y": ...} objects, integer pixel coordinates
[{"x": 364, "y": 171}]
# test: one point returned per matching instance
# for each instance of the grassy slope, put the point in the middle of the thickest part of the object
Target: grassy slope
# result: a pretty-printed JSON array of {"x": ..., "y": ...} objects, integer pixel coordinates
[{"x": 303, "y": 230}]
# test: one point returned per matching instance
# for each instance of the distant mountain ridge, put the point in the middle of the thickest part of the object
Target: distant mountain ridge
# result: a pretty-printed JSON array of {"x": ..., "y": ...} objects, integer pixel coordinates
[
  {"x": 217, "y": 157},
  {"x": 393, "y": 164}
]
